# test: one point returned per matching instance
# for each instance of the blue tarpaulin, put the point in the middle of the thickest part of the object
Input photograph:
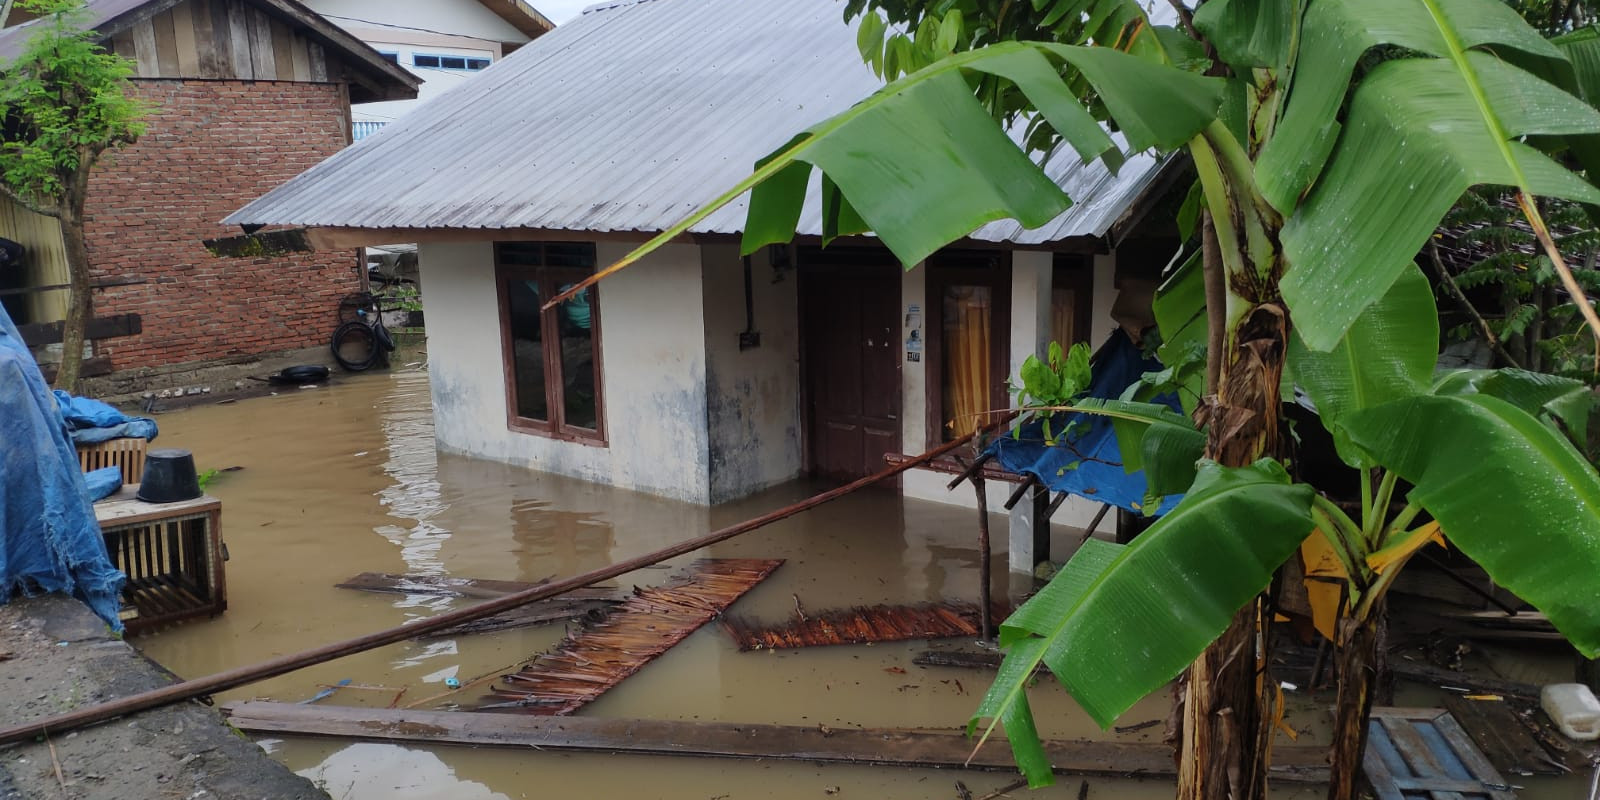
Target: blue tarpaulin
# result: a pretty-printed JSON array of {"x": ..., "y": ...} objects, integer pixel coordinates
[
  {"x": 91, "y": 421},
  {"x": 49, "y": 541},
  {"x": 1092, "y": 444}
]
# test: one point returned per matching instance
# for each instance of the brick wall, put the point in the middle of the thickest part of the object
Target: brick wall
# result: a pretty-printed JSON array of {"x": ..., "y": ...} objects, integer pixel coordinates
[{"x": 209, "y": 148}]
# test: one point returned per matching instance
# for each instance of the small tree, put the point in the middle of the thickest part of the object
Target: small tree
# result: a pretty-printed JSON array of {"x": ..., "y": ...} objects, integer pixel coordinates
[{"x": 64, "y": 101}]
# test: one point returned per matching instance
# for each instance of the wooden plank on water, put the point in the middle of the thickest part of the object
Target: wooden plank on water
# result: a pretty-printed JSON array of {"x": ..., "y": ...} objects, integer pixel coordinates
[
  {"x": 588, "y": 663},
  {"x": 860, "y": 625},
  {"x": 1504, "y": 732},
  {"x": 1422, "y": 752},
  {"x": 864, "y": 746},
  {"x": 449, "y": 586}
]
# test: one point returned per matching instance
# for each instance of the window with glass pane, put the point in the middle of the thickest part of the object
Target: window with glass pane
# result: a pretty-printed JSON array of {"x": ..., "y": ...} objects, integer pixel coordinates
[{"x": 553, "y": 377}]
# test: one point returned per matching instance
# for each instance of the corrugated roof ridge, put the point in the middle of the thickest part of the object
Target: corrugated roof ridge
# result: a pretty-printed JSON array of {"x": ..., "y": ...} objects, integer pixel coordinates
[{"x": 610, "y": 4}]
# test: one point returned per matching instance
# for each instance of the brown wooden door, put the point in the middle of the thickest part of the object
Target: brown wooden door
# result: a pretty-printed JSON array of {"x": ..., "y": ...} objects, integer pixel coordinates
[{"x": 850, "y": 304}]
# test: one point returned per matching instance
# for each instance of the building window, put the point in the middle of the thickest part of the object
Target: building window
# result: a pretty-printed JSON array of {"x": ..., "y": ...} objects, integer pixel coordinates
[
  {"x": 1071, "y": 299},
  {"x": 392, "y": 58},
  {"x": 446, "y": 61},
  {"x": 552, "y": 360},
  {"x": 969, "y": 324}
]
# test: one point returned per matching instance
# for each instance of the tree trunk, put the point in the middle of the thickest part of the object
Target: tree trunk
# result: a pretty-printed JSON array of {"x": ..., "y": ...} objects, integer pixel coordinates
[
  {"x": 80, "y": 304},
  {"x": 1227, "y": 731},
  {"x": 1358, "y": 659}
]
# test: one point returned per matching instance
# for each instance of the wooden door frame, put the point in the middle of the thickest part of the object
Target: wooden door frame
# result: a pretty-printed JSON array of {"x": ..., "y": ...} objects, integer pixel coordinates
[
  {"x": 964, "y": 268},
  {"x": 814, "y": 264}
]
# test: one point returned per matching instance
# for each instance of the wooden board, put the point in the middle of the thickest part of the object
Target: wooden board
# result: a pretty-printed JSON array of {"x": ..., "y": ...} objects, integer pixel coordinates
[
  {"x": 883, "y": 747},
  {"x": 478, "y": 588},
  {"x": 588, "y": 663},
  {"x": 1422, "y": 754},
  {"x": 860, "y": 625},
  {"x": 1504, "y": 731}
]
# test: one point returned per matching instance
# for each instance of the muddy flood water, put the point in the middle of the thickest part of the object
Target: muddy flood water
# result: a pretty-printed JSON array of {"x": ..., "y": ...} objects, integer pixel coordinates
[{"x": 344, "y": 479}]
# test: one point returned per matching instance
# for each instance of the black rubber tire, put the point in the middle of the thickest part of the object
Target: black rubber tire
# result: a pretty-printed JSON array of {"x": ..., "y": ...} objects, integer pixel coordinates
[{"x": 353, "y": 332}]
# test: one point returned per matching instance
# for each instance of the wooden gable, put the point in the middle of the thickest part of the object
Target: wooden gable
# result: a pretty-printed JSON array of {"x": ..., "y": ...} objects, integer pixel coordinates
[{"x": 242, "y": 40}]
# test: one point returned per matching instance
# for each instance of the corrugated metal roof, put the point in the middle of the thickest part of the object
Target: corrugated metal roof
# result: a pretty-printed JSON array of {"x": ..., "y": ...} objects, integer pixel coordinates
[
  {"x": 628, "y": 119},
  {"x": 96, "y": 13}
]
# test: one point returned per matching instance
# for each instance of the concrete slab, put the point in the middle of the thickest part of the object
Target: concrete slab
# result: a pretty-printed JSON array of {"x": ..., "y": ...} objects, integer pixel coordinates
[{"x": 59, "y": 656}]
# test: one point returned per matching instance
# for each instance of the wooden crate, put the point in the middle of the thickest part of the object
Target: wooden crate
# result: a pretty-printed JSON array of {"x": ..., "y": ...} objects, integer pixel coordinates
[
  {"x": 172, "y": 555},
  {"x": 126, "y": 453},
  {"x": 1423, "y": 754}
]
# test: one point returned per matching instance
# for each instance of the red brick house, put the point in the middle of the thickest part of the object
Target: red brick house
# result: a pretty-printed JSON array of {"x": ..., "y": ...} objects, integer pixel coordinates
[{"x": 245, "y": 94}]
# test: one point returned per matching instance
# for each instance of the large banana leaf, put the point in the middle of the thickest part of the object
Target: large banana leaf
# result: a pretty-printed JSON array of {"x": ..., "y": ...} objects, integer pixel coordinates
[
  {"x": 1180, "y": 312},
  {"x": 1387, "y": 355},
  {"x": 1248, "y": 33},
  {"x": 1511, "y": 493},
  {"x": 1419, "y": 133},
  {"x": 1565, "y": 403},
  {"x": 1334, "y": 36},
  {"x": 1117, "y": 629},
  {"x": 922, "y": 163}
]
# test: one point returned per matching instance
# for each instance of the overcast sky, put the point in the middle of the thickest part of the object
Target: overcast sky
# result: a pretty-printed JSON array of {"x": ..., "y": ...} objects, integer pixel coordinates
[{"x": 560, "y": 11}]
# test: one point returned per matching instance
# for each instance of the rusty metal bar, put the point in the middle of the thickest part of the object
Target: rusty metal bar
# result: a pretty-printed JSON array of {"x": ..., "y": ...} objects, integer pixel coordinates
[{"x": 241, "y": 676}]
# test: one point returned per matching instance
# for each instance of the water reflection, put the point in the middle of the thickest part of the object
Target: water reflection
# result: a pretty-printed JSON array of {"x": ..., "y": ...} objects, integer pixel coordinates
[{"x": 383, "y": 771}]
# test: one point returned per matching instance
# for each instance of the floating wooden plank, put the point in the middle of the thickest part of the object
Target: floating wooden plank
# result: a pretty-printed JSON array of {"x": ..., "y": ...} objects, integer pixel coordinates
[
  {"x": 880, "y": 747},
  {"x": 1505, "y": 731},
  {"x": 587, "y": 664},
  {"x": 1416, "y": 753},
  {"x": 591, "y": 604},
  {"x": 859, "y": 625},
  {"x": 478, "y": 588}
]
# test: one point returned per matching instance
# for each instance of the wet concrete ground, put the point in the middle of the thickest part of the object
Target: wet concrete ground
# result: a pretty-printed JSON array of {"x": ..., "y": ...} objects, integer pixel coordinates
[
  {"x": 59, "y": 656},
  {"x": 344, "y": 479}
]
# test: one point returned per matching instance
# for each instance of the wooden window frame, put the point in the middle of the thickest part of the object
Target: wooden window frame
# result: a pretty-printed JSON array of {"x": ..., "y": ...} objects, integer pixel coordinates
[
  {"x": 548, "y": 277},
  {"x": 1075, "y": 271},
  {"x": 965, "y": 268}
]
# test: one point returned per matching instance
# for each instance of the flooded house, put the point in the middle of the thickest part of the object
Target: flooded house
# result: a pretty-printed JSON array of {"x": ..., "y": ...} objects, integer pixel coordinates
[
  {"x": 699, "y": 375},
  {"x": 242, "y": 95}
]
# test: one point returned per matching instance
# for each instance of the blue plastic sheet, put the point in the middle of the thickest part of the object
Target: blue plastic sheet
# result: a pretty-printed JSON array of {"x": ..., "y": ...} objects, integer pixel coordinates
[
  {"x": 1092, "y": 447},
  {"x": 49, "y": 541},
  {"x": 91, "y": 421}
]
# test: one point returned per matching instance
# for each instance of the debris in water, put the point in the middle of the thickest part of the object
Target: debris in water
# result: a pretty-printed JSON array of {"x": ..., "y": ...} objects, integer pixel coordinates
[
  {"x": 860, "y": 625},
  {"x": 586, "y": 664}
]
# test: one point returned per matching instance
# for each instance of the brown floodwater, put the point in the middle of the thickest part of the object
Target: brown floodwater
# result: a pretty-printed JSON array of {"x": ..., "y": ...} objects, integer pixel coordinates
[{"x": 344, "y": 479}]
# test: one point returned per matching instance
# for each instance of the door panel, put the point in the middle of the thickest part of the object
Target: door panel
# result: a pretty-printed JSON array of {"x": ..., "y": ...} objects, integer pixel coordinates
[{"x": 850, "y": 314}]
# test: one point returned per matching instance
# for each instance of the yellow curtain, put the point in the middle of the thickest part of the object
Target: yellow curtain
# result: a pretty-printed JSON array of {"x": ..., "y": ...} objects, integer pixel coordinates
[
  {"x": 1063, "y": 307},
  {"x": 966, "y": 358}
]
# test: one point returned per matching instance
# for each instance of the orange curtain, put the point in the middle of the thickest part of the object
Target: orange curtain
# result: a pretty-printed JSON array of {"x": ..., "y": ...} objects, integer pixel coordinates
[{"x": 966, "y": 358}]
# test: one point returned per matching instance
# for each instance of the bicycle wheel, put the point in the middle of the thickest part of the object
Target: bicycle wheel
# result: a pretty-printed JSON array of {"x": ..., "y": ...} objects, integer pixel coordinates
[{"x": 355, "y": 346}]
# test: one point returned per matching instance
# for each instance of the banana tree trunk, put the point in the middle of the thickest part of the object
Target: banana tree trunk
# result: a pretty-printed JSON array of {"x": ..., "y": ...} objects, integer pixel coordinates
[
  {"x": 1226, "y": 725},
  {"x": 1357, "y": 659}
]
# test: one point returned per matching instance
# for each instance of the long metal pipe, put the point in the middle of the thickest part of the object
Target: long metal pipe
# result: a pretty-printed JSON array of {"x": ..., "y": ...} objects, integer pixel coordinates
[{"x": 240, "y": 676}]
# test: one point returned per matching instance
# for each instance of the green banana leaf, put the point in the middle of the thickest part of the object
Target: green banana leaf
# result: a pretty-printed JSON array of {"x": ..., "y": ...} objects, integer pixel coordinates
[
  {"x": 921, "y": 163},
  {"x": 1388, "y": 354},
  {"x": 1511, "y": 493},
  {"x": 1180, "y": 312},
  {"x": 1565, "y": 403},
  {"x": 1416, "y": 138},
  {"x": 1333, "y": 38},
  {"x": 1248, "y": 33},
  {"x": 1130, "y": 419},
  {"x": 1117, "y": 629},
  {"x": 1170, "y": 458}
]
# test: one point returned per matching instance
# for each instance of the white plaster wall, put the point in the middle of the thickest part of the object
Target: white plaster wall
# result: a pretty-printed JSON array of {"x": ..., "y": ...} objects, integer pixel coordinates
[
  {"x": 458, "y": 17},
  {"x": 653, "y": 347},
  {"x": 752, "y": 396}
]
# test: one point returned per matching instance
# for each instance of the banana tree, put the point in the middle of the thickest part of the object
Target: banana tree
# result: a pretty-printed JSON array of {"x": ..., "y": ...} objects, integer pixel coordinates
[{"x": 1321, "y": 184}]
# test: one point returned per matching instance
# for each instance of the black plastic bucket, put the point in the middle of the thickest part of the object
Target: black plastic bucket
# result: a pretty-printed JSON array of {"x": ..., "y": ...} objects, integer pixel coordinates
[{"x": 169, "y": 477}]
